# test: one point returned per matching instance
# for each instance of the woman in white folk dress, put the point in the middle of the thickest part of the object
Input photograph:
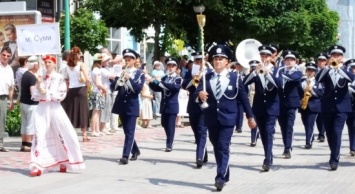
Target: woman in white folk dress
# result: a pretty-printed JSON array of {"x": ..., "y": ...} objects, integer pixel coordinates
[{"x": 55, "y": 145}]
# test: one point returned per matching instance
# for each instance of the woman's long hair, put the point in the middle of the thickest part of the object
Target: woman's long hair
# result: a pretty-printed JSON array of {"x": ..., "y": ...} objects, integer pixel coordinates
[
  {"x": 96, "y": 64},
  {"x": 74, "y": 56}
]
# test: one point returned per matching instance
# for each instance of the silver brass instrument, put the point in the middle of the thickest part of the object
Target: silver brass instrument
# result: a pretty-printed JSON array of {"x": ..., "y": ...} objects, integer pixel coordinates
[
  {"x": 246, "y": 51},
  {"x": 122, "y": 79}
]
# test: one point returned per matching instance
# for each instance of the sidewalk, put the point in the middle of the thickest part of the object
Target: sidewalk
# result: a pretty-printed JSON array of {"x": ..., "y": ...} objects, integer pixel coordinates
[{"x": 156, "y": 171}]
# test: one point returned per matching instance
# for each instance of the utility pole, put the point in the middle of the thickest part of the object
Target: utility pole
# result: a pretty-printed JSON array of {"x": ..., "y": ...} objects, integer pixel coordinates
[{"x": 67, "y": 24}]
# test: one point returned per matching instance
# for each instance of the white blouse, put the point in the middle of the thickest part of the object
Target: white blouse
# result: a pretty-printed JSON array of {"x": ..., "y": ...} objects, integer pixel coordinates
[
  {"x": 73, "y": 76},
  {"x": 52, "y": 88}
]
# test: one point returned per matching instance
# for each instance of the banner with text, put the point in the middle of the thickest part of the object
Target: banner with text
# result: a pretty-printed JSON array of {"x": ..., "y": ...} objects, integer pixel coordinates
[{"x": 38, "y": 39}]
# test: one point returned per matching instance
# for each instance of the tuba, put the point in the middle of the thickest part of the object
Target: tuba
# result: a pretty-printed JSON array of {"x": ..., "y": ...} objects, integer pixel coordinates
[
  {"x": 306, "y": 96},
  {"x": 246, "y": 51}
]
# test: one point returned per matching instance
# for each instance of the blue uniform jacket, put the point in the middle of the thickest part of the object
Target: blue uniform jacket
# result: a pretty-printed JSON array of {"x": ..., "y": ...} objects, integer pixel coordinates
[
  {"x": 266, "y": 101},
  {"x": 127, "y": 100},
  {"x": 314, "y": 102},
  {"x": 288, "y": 88},
  {"x": 225, "y": 109},
  {"x": 352, "y": 95},
  {"x": 170, "y": 88},
  {"x": 193, "y": 108},
  {"x": 335, "y": 98}
]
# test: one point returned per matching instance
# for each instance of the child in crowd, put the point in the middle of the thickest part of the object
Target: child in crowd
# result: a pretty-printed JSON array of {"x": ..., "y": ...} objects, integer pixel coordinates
[{"x": 146, "y": 97}]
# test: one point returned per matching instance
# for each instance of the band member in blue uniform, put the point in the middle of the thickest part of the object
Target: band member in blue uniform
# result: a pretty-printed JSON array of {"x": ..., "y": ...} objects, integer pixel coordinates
[
  {"x": 238, "y": 69},
  {"x": 126, "y": 105},
  {"x": 223, "y": 89},
  {"x": 251, "y": 89},
  {"x": 336, "y": 101},
  {"x": 322, "y": 59},
  {"x": 196, "y": 117},
  {"x": 266, "y": 104},
  {"x": 350, "y": 121},
  {"x": 289, "y": 77},
  {"x": 311, "y": 91},
  {"x": 276, "y": 59},
  {"x": 170, "y": 86}
]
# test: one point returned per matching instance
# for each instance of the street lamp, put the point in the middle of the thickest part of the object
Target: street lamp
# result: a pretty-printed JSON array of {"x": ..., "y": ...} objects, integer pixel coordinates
[{"x": 201, "y": 19}]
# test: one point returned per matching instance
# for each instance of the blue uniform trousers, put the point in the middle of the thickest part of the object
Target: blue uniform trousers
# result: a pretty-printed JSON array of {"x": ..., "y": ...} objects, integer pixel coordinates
[
  {"x": 334, "y": 123},
  {"x": 287, "y": 120},
  {"x": 129, "y": 127},
  {"x": 320, "y": 126},
  {"x": 199, "y": 128},
  {"x": 220, "y": 137},
  {"x": 168, "y": 121},
  {"x": 350, "y": 122},
  {"x": 266, "y": 125},
  {"x": 308, "y": 120},
  {"x": 254, "y": 134},
  {"x": 240, "y": 116}
]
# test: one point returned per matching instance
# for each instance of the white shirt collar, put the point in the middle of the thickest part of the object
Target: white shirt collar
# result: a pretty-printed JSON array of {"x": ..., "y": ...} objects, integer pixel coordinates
[{"x": 223, "y": 73}]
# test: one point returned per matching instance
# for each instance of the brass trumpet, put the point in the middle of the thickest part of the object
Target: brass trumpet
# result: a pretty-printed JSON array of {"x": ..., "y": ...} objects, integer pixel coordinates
[
  {"x": 196, "y": 80},
  {"x": 333, "y": 63},
  {"x": 122, "y": 79}
]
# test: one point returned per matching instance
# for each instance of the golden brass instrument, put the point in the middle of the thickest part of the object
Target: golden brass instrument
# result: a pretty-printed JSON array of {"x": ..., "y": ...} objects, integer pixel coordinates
[
  {"x": 307, "y": 94},
  {"x": 333, "y": 63},
  {"x": 196, "y": 80}
]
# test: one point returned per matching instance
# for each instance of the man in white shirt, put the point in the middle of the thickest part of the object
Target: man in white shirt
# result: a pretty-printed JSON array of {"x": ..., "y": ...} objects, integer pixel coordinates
[{"x": 7, "y": 83}]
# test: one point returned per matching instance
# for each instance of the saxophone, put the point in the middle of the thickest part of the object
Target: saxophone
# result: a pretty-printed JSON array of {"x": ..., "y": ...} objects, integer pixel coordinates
[{"x": 306, "y": 96}]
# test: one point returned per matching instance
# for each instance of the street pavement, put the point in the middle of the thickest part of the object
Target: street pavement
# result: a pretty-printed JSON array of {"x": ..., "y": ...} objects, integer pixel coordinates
[{"x": 159, "y": 172}]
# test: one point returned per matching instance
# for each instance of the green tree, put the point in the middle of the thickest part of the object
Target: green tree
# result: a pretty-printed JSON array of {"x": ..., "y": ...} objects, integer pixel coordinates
[
  {"x": 86, "y": 31},
  {"x": 307, "y": 26}
]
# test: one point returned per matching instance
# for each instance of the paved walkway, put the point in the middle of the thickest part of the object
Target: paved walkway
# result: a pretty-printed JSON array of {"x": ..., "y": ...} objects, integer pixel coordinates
[{"x": 156, "y": 171}]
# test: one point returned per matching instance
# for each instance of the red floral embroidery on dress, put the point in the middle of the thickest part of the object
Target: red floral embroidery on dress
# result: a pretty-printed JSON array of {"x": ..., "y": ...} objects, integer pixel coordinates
[{"x": 36, "y": 153}]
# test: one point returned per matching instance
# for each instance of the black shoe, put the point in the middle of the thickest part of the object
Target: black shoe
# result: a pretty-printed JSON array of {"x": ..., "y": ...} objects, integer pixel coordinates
[
  {"x": 124, "y": 160},
  {"x": 253, "y": 144},
  {"x": 352, "y": 153},
  {"x": 199, "y": 163},
  {"x": 135, "y": 156},
  {"x": 321, "y": 139},
  {"x": 265, "y": 167},
  {"x": 287, "y": 155},
  {"x": 333, "y": 166},
  {"x": 205, "y": 159},
  {"x": 308, "y": 146},
  {"x": 168, "y": 149},
  {"x": 239, "y": 130},
  {"x": 219, "y": 185}
]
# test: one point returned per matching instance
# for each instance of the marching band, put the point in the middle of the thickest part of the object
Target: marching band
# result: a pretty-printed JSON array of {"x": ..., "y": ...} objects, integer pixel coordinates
[{"x": 273, "y": 89}]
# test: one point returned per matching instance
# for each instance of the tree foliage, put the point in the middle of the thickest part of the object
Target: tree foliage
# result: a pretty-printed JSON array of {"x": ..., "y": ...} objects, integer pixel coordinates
[
  {"x": 86, "y": 31},
  {"x": 307, "y": 26}
]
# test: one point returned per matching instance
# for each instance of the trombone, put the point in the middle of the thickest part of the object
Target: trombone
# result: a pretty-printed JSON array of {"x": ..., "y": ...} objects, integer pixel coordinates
[{"x": 333, "y": 63}]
